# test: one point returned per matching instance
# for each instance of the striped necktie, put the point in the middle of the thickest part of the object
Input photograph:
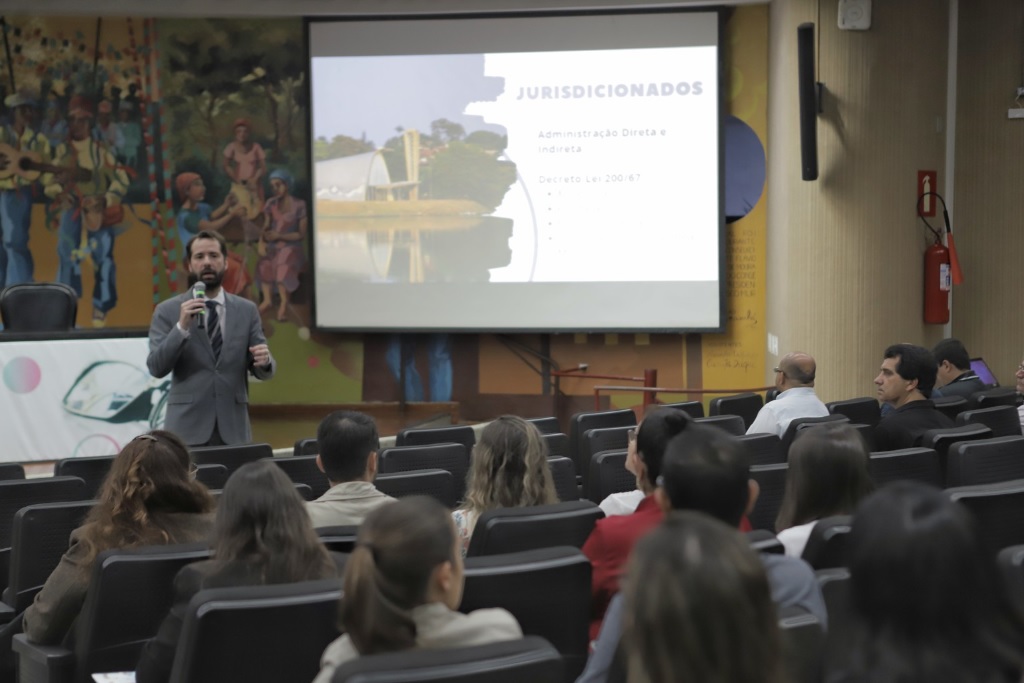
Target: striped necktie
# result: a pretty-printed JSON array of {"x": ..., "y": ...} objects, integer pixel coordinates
[{"x": 213, "y": 328}]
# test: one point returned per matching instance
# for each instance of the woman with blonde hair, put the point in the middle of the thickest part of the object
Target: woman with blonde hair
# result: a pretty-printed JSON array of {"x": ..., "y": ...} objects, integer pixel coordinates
[
  {"x": 150, "y": 497},
  {"x": 509, "y": 469},
  {"x": 403, "y": 583}
]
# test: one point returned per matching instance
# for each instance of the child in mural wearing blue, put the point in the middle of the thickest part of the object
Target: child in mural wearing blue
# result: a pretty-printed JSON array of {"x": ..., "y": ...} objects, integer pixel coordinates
[{"x": 195, "y": 214}]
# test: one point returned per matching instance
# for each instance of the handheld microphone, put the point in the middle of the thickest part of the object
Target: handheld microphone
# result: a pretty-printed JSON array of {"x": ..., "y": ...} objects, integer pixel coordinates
[{"x": 199, "y": 292}]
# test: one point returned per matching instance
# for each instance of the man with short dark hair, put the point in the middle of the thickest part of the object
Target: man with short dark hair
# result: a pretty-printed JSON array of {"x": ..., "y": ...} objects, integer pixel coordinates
[
  {"x": 955, "y": 377},
  {"x": 348, "y": 444},
  {"x": 794, "y": 378},
  {"x": 706, "y": 470},
  {"x": 905, "y": 381}
]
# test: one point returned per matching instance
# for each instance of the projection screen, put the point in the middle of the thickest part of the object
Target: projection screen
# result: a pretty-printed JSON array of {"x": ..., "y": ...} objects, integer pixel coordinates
[{"x": 518, "y": 173}]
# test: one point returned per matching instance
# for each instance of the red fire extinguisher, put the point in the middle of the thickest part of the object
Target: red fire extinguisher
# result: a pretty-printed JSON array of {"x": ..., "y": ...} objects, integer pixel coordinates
[{"x": 941, "y": 269}]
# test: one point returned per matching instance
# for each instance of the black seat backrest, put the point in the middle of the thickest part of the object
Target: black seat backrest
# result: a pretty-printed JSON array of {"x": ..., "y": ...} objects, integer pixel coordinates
[
  {"x": 306, "y": 447},
  {"x": 453, "y": 457},
  {"x": 232, "y": 457},
  {"x": 18, "y": 493},
  {"x": 803, "y": 645},
  {"x": 599, "y": 440},
  {"x": 764, "y": 541},
  {"x": 563, "y": 471},
  {"x": 1011, "y": 563},
  {"x": 985, "y": 462},
  {"x": 302, "y": 469},
  {"x": 439, "y": 484},
  {"x": 826, "y": 546},
  {"x": 513, "y": 661},
  {"x": 546, "y": 590},
  {"x": 581, "y": 423},
  {"x": 691, "y": 408},
  {"x": 129, "y": 595},
  {"x": 38, "y": 307},
  {"x": 257, "y": 634},
  {"x": 913, "y": 464},
  {"x": 801, "y": 423},
  {"x": 338, "y": 539},
  {"x": 1002, "y": 420},
  {"x": 463, "y": 434},
  {"x": 546, "y": 425},
  {"x": 557, "y": 443},
  {"x": 864, "y": 410},
  {"x": 771, "y": 395},
  {"x": 212, "y": 475},
  {"x": 764, "y": 449},
  {"x": 941, "y": 439},
  {"x": 41, "y": 535},
  {"x": 772, "y": 480},
  {"x": 746, "y": 405},
  {"x": 835, "y": 588},
  {"x": 92, "y": 470},
  {"x": 733, "y": 424},
  {"x": 999, "y": 396},
  {"x": 11, "y": 470},
  {"x": 951, "y": 406},
  {"x": 608, "y": 475},
  {"x": 999, "y": 509},
  {"x": 510, "y": 530}
]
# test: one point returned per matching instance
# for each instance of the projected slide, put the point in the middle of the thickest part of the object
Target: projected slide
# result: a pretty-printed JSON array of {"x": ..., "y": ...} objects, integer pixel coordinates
[{"x": 517, "y": 173}]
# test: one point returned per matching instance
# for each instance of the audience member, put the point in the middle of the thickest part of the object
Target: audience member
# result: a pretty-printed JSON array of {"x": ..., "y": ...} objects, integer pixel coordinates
[
  {"x": 905, "y": 381},
  {"x": 698, "y": 606},
  {"x": 1020, "y": 390},
  {"x": 612, "y": 539},
  {"x": 706, "y": 470},
  {"x": 403, "y": 583},
  {"x": 827, "y": 475},
  {"x": 261, "y": 536},
  {"x": 509, "y": 469},
  {"x": 927, "y": 602},
  {"x": 348, "y": 444},
  {"x": 150, "y": 497},
  {"x": 955, "y": 376},
  {"x": 794, "y": 378}
]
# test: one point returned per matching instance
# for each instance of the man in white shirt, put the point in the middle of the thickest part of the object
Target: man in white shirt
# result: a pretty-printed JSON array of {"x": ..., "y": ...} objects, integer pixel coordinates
[{"x": 794, "y": 378}]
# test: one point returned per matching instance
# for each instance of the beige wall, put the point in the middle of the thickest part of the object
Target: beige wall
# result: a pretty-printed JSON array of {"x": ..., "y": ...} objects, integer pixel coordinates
[
  {"x": 845, "y": 253},
  {"x": 989, "y": 209}
]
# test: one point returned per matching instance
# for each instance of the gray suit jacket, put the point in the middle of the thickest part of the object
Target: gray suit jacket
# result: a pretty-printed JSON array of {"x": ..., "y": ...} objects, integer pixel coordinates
[{"x": 206, "y": 391}]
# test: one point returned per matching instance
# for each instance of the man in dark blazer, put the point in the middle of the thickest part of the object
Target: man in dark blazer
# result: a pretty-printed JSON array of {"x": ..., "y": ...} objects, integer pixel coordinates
[{"x": 208, "y": 404}]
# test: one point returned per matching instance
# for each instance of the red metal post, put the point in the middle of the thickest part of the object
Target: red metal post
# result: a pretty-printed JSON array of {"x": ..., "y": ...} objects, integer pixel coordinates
[{"x": 650, "y": 380}]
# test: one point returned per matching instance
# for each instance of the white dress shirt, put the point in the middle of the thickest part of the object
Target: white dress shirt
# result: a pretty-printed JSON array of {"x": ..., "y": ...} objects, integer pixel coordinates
[{"x": 776, "y": 415}]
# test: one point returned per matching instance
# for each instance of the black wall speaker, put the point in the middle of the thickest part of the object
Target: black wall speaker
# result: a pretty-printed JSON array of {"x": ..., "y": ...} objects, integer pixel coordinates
[{"x": 808, "y": 89}]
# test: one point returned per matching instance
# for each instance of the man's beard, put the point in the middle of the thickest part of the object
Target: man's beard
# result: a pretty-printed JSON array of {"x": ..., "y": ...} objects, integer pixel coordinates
[{"x": 212, "y": 278}]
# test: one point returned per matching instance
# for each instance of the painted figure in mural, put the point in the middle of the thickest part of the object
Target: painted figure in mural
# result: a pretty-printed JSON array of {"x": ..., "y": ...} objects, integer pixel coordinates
[
  {"x": 16, "y": 191},
  {"x": 93, "y": 204},
  {"x": 131, "y": 134},
  {"x": 195, "y": 214},
  {"x": 246, "y": 163},
  {"x": 53, "y": 126},
  {"x": 106, "y": 130},
  {"x": 284, "y": 255}
]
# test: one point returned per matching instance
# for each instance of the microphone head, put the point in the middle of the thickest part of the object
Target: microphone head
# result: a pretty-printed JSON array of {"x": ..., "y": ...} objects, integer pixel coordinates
[{"x": 199, "y": 288}]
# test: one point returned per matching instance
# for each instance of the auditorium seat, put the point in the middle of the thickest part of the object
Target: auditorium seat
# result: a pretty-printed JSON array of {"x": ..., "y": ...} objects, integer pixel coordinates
[
  {"x": 1011, "y": 564},
  {"x": 867, "y": 432},
  {"x": 803, "y": 645},
  {"x": 257, "y": 634},
  {"x": 914, "y": 464},
  {"x": 826, "y": 546},
  {"x": 563, "y": 471},
  {"x": 130, "y": 593},
  {"x": 863, "y": 410},
  {"x": 306, "y": 447},
  {"x": 998, "y": 396},
  {"x": 557, "y": 444},
  {"x": 546, "y": 425},
  {"x": 835, "y": 588},
  {"x": 746, "y": 405},
  {"x": 453, "y": 457},
  {"x": 463, "y": 434},
  {"x": 985, "y": 462},
  {"x": 437, "y": 483},
  {"x": 801, "y": 423},
  {"x": 763, "y": 449},
  {"x": 764, "y": 541},
  {"x": 92, "y": 470},
  {"x": 38, "y": 307},
  {"x": 691, "y": 408},
  {"x": 302, "y": 469},
  {"x": 601, "y": 440},
  {"x": 546, "y": 590},
  {"x": 530, "y": 659},
  {"x": 212, "y": 475},
  {"x": 950, "y": 406},
  {"x": 510, "y": 530},
  {"x": 772, "y": 480},
  {"x": 581, "y": 423},
  {"x": 999, "y": 509},
  {"x": 608, "y": 475},
  {"x": 941, "y": 439},
  {"x": 1002, "y": 420},
  {"x": 233, "y": 456},
  {"x": 11, "y": 470},
  {"x": 338, "y": 539},
  {"x": 731, "y": 424}
]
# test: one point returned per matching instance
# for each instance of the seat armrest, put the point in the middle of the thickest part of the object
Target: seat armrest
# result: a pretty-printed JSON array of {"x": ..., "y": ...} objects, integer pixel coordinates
[
  {"x": 43, "y": 663},
  {"x": 6, "y": 613}
]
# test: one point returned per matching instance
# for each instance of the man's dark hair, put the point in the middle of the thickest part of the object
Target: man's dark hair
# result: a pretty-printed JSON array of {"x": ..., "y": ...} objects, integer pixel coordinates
[
  {"x": 954, "y": 351},
  {"x": 915, "y": 362},
  {"x": 206, "y": 235},
  {"x": 346, "y": 438},
  {"x": 706, "y": 469}
]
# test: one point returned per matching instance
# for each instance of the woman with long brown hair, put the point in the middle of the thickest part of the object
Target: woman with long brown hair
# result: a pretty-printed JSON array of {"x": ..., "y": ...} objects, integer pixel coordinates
[
  {"x": 262, "y": 535},
  {"x": 150, "y": 497},
  {"x": 403, "y": 583},
  {"x": 509, "y": 469}
]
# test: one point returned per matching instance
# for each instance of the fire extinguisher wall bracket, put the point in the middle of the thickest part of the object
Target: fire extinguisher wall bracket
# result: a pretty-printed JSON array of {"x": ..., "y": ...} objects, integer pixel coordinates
[{"x": 937, "y": 283}]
